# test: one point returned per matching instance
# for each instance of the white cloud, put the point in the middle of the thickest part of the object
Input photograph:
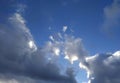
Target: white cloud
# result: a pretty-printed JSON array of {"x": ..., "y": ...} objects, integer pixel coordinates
[
  {"x": 32, "y": 45},
  {"x": 51, "y": 37},
  {"x": 74, "y": 49},
  {"x": 19, "y": 18},
  {"x": 64, "y": 28},
  {"x": 69, "y": 46},
  {"x": 18, "y": 23},
  {"x": 56, "y": 51},
  {"x": 117, "y": 53},
  {"x": 72, "y": 58}
]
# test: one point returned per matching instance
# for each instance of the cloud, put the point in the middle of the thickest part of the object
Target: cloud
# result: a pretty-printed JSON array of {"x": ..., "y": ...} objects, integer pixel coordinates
[
  {"x": 112, "y": 15},
  {"x": 70, "y": 47},
  {"x": 21, "y": 61},
  {"x": 64, "y": 28},
  {"x": 51, "y": 37},
  {"x": 21, "y": 8},
  {"x": 103, "y": 68},
  {"x": 74, "y": 49}
]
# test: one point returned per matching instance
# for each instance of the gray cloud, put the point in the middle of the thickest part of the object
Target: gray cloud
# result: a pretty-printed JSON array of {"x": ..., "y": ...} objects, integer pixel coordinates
[
  {"x": 21, "y": 61},
  {"x": 103, "y": 68}
]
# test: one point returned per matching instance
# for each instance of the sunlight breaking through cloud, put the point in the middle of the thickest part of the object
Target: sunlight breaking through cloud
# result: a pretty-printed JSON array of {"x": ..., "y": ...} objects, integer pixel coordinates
[
  {"x": 22, "y": 61},
  {"x": 70, "y": 47},
  {"x": 32, "y": 45},
  {"x": 56, "y": 51}
]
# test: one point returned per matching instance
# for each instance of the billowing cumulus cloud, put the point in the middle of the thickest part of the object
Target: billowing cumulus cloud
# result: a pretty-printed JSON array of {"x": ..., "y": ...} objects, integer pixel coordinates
[
  {"x": 103, "y": 68},
  {"x": 21, "y": 61}
]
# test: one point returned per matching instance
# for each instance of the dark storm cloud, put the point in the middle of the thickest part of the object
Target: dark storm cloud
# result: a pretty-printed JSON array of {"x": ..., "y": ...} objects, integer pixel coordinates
[{"x": 20, "y": 58}]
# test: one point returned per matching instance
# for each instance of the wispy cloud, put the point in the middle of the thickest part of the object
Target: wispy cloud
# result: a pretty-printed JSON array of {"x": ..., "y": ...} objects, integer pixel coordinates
[
  {"x": 112, "y": 15},
  {"x": 69, "y": 46},
  {"x": 21, "y": 8}
]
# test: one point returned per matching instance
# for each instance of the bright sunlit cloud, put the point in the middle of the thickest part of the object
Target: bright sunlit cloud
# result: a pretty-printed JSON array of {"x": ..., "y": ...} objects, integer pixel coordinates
[
  {"x": 74, "y": 58},
  {"x": 56, "y": 51},
  {"x": 32, "y": 45},
  {"x": 71, "y": 59},
  {"x": 64, "y": 28}
]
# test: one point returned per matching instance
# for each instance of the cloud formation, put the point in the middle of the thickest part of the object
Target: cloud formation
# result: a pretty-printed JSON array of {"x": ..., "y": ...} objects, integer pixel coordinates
[
  {"x": 70, "y": 47},
  {"x": 21, "y": 61},
  {"x": 112, "y": 15},
  {"x": 102, "y": 68}
]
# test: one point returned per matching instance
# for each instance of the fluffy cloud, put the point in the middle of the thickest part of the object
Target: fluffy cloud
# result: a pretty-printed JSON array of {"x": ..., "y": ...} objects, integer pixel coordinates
[
  {"x": 69, "y": 46},
  {"x": 74, "y": 49},
  {"x": 103, "y": 68},
  {"x": 21, "y": 61}
]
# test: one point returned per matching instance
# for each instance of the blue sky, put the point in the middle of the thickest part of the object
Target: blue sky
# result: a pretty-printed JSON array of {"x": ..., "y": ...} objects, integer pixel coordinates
[
  {"x": 84, "y": 17},
  {"x": 95, "y": 22}
]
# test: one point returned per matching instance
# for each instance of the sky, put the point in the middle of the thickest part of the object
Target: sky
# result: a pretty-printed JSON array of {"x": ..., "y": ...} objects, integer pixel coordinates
[{"x": 59, "y": 41}]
